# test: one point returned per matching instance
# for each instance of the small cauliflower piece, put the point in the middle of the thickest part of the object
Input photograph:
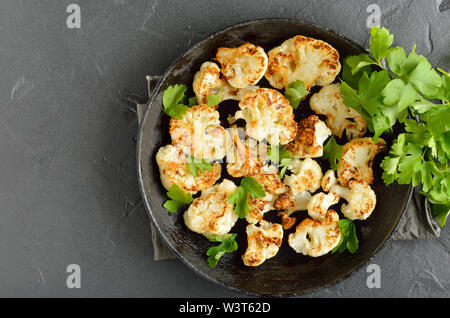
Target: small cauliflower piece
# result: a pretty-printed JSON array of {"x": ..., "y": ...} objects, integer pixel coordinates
[
  {"x": 244, "y": 158},
  {"x": 306, "y": 175},
  {"x": 357, "y": 158},
  {"x": 315, "y": 62},
  {"x": 207, "y": 81},
  {"x": 318, "y": 205},
  {"x": 299, "y": 202},
  {"x": 242, "y": 66},
  {"x": 268, "y": 115},
  {"x": 174, "y": 169},
  {"x": 273, "y": 188},
  {"x": 316, "y": 237},
  {"x": 311, "y": 134},
  {"x": 360, "y": 197},
  {"x": 211, "y": 214},
  {"x": 328, "y": 179},
  {"x": 329, "y": 102},
  {"x": 263, "y": 242},
  {"x": 199, "y": 133}
]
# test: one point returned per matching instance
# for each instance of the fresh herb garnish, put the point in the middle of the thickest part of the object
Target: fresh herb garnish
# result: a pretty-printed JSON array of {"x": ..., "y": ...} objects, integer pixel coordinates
[
  {"x": 386, "y": 86},
  {"x": 179, "y": 199},
  {"x": 213, "y": 99},
  {"x": 349, "y": 241},
  {"x": 239, "y": 198},
  {"x": 227, "y": 245},
  {"x": 333, "y": 152},
  {"x": 282, "y": 157},
  {"x": 196, "y": 164},
  {"x": 295, "y": 93}
]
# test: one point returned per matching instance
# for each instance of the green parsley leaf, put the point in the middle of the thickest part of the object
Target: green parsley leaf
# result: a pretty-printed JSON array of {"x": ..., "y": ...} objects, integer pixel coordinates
[
  {"x": 239, "y": 198},
  {"x": 227, "y": 245},
  {"x": 276, "y": 154},
  {"x": 380, "y": 42},
  {"x": 179, "y": 199},
  {"x": 214, "y": 99},
  {"x": 349, "y": 241},
  {"x": 279, "y": 155},
  {"x": 252, "y": 187},
  {"x": 295, "y": 93},
  {"x": 333, "y": 152},
  {"x": 196, "y": 164},
  {"x": 441, "y": 213},
  {"x": 359, "y": 62},
  {"x": 192, "y": 101},
  {"x": 172, "y": 98},
  {"x": 284, "y": 164}
]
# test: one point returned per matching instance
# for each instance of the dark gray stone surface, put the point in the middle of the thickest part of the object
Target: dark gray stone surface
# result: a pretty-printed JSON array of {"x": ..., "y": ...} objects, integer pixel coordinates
[{"x": 68, "y": 183}]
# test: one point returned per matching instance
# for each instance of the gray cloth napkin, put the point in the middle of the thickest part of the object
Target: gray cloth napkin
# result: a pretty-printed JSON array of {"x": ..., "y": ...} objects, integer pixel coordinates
[{"x": 416, "y": 223}]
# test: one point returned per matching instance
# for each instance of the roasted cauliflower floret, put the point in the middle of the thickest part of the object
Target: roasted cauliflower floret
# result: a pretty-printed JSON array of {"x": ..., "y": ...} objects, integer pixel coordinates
[
  {"x": 273, "y": 188},
  {"x": 360, "y": 197},
  {"x": 316, "y": 237},
  {"x": 311, "y": 134},
  {"x": 329, "y": 102},
  {"x": 242, "y": 66},
  {"x": 199, "y": 133},
  {"x": 263, "y": 242},
  {"x": 244, "y": 158},
  {"x": 174, "y": 169},
  {"x": 356, "y": 160},
  {"x": 299, "y": 202},
  {"x": 328, "y": 179},
  {"x": 211, "y": 214},
  {"x": 315, "y": 62},
  {"x": 306, "y": 175},
  {"x": 207, "y": 81},
  {"x": 318, "y": 205},
  {"x": 268, "y": 115}
]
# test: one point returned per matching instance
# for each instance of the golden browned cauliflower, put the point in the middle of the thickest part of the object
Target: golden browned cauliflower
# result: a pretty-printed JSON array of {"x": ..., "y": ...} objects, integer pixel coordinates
[
  {"x": 316, "y": 237},
  {"x": 273, "y": 188},
  {"x": 174, "y": 170},
  {"x": 211, "y": 214},
  {"x": 299, "y": 202},
  {"x": 328, "y": 179},
  {"x": 264, "y": 242},
  {"x": 242, "y": 66},
  {"x": 199, "y": 133},
  {"x": 360, "y": 197},
  {"x": 356, "y": 160},
  {"x": 329, "y": 102},
  {"x": 268, "y": 115},
  {"x": 315, "y": 62},
  {"x": 311, "y": 134},
  {"x": 306, "y": 175},
  {"x": 244, "y": 158},
  {"x": 318, "y": 205},
  {"x": 207, "y": 81}
]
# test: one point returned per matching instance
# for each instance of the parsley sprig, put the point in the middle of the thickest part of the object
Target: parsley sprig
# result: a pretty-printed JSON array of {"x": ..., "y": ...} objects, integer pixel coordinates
[
  {"x": 179, "y": 199},
  {"x": 239, "y": 198},
  {"x": 333, "y": 152},
  {"x": 227, "y": 245},
  {"x": 196, "y": 164},
  {"x": 295, "y": 93},
  {"x": 281, "y": 157},
  {"x": 387, "y": 87},
  {"x": 175, "y": 102},
  {"x": 349, "y": 241}
]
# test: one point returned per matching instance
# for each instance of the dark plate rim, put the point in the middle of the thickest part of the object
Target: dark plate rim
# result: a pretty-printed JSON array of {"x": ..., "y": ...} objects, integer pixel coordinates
[{"x": 145, "y": 197}]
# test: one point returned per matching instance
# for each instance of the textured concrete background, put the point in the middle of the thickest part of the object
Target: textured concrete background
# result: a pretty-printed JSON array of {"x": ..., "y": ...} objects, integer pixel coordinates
[{"x": 68, "y": 185}]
